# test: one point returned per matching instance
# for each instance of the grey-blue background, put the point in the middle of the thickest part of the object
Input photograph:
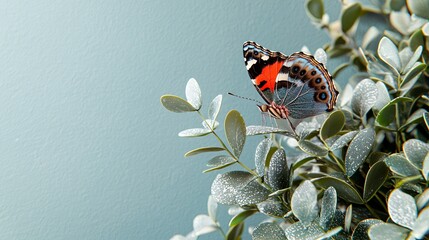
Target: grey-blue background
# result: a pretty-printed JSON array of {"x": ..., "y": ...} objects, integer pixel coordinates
[{"x": 87, "y": 151}]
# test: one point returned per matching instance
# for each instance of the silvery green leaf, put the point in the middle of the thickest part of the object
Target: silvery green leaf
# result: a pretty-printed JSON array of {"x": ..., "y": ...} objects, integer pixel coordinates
[
  {"x": 387, "y": 231},
  {"x": 190, "y": 236},
  {"x": 364, "y": 97},
  {"x": 388, "y": 52},
  {"x": 219, "y": 162},
  {"x": 261, "y": 154},
  {"x": 212, "y": 208},
  {"x": 425, "y": 30},
  {"x": 425, "y": 169},
  {"x": 386, "y": 115},
  {"x": 332, "y": 125},
  {"x": 235, "y": 232},
  {"x": 423, "y": 199},
  {"x": 176, "y": 104},
  {"x": 299, "y": 231},
  {"x": 312, "y": 149},
  {"x": 411, "y": 61},
  {"x": 194, "y": 132},
  {"x": 203, "y": 224},
  {"x": 304, "y": 203},
  {"x": 305, "y": 50},
  {"x": 329, "y": 204},
  {"x": 348, "y": 218},
  {"x": 415, "y": 151},
  {"x": 383, "y": 97},
  {"x": 369, "y": 36},
  {"x": 343, "y": 140},
  {"x": 259, "y": 130},
  {"x": 214, "y": 107},
  {"x": 426, "y": 119},
  {"x": 331, "y": 233},
  {"x": 235, "y": 131},
  {"x": 405, "y": 55},
  {"x": 400, "y": 21},
  {"x": 361, "y": 230},
  {"x": 421, "y": 226},
  {"x": 278, "y": 171},
  {"x": 320, "y": 56},
  {"x": 375, "y": 178},
  {"x": 419, "y": 7},
  {"x": 268, "y": 231},
  {"x": 346, "y": 95},
  {"x": 358, "y": 150},
  {"x": 210, "y": 124},
  {"x": 350, "y": 15},
  {"x": 399, "y": 165},
  {"x": 402, "y": 208},
  {"x": 272, "y": 207},
  {"x": 226, "y": 186},
  {"x": 203, "y": 150},
  {"x": 193, "y": 93},
  {"x": 251, "y": 193},
  {"x": 411, "y": 77},
  {"x": 314, "y": 9},
  {"x": 415, "y": 117}
]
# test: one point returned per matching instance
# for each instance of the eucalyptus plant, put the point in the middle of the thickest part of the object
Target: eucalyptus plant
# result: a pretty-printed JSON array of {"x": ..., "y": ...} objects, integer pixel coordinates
[{"x": 360, "y": 172}]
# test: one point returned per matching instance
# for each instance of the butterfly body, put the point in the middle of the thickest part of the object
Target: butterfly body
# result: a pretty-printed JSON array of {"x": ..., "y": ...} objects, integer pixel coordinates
[{"x": 297, "y": 85}]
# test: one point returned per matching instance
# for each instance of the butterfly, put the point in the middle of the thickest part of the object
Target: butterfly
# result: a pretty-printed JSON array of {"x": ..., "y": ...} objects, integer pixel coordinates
[{"x": 296, "y": 86}]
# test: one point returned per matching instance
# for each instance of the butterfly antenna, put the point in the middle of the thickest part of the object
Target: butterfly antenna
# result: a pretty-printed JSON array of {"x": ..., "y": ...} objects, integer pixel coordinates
[{"x": 250, "y": 99}]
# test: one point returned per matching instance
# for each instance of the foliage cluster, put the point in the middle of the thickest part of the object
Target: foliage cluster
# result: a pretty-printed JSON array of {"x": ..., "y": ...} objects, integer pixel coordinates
[{"x": 362, "y": 171}]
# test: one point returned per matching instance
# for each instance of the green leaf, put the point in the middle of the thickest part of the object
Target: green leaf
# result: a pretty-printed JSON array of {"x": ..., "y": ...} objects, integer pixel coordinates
[
  {"x": 272, "y": 207},
  {"x": 369, "y": 36},
  {"x": 416, "y": 117},
  {"x": 364, "y": 97},
  {"x": 329, "y": 204},
  {"x": 176, "y": 104},
  {"x": 388, "y": 112},
  {"x": 312, "y": 149},
  {"x": 344, "y": 189},
  {"x": 421, "y": 226},
  {"x": 348, "y": 218},
  {"x": 260, "y": 130},
  {"x": 299, "y": 231},
  {"x": 425, "y": 170},
  {"x": 423, "y": 199},
  {"x": 212, "y": 208},
  {"x": 358, "y": 150},
  {"x": 203, "y": 150},
  {"x": 375, "y": 179},
  {"x": 349, "y": 16},
  {"x": 417, "y": 39},
  {"x": 194, "y": 132},
  {"x": 278, "y": 171},
  {"x": 235, "y": 232},
  {"x": 343, "y": 140},
  {"x": 415, "y": 151},
  {"x": 399, "y": 165},
  {"x": 235, "y": 131},
  {"x": 268, "y": 231},
  {"x": 415, "y": 72},
  {"x": 226, "y": 186},
  {"x": 304, "y": 203},
  {"x": 419, "y": 7},
  {"x": 331, "y": 233},
  {"x": 302, "y": 159},
  {"x": 214, "y": 107},
  {"x": 193, "y": 93},
  {"x": 413, "y": 59},
  {"x": 314, "y": 9},
  {"x": 203, "y": 224},
  {"x": 361, "y": 230},
  {"x": 219, "y": 162},
  {"x": 388, "y": 52},
  {"x": 402, "y": 208},
  {"x": 239, "y": 218},
  {"x": 261, "y": 154},
  {"x": 251, "y": 193},
  {"x": 383, "y": 97},
  {"x": 426, "y": 118},
  {"x": 387, "y": 231},
  {"x": 332, "y": 125}
]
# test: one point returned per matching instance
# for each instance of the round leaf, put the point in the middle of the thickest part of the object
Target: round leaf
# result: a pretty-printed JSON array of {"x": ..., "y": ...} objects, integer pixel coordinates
[
  {"x": 425, "y": 169},
  {"x": 375, "y": 178},
  {"x": 359, "y": 149},
  {"x": 421, "y": 226},
  {"x": 387, "y": 113},
  {"x": 268, "y": 231},
  {"x": 329, "y": 204},
  {"x": 203, "y": 224},
  {"x": 299, "y": 231},
  {"x": 332, "y": 125},
  {"x": 312, "y": 148},
  {"x": 399, "y": 165},
  {"x": 176, "y": 104},
  {"x": 361, "y": 230},
  {"x": 364, "y": 97},
  {"x": 402, "y": 208},
  {"x": 251, "y": 193},
  {"x": 388, "y": 52},
  {"x": 193, "y": 93},
  {"x": 214, "y": 107},
  {"x": 350, "y": 15},
  {"x": 315, "y": 9},
  {"x": 261, "y": 154},
  {"x": 304, "y": 203},
  {"x": 387, "y": 231},
  {"x": 226, "y": 186},
  {"x": 272, "y": 207},
  {"x": 415, "y": 151},
  {"x": 419, "y": 7},
  {"x": 278, "y": 171},
  {"x": 423, "y": 199},
  {"x": 219, "y": 162},
  {"x": 235, "y": 131},
  {"x": 343, "y": 140}
]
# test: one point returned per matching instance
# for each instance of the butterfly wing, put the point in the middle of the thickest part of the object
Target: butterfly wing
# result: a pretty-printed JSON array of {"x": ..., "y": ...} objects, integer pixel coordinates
[
  {"x": 305, "y": 88},
  {"x": 263, "y": 67}
]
